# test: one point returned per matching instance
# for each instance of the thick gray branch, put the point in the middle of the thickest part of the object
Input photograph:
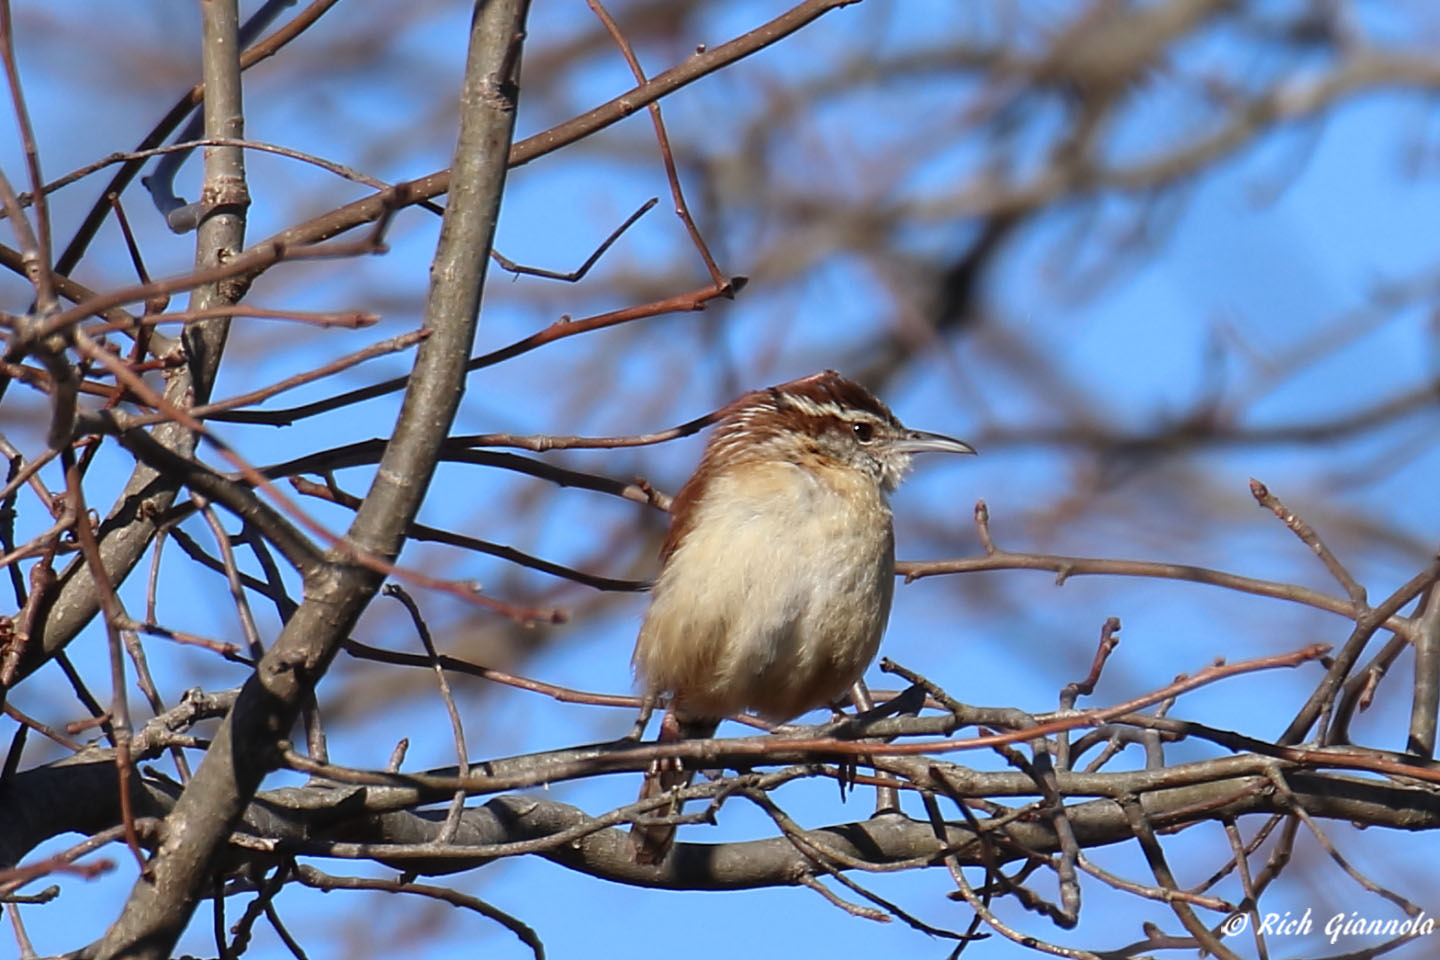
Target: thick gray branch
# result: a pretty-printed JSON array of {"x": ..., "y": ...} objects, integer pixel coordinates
[{"x": 81, "y": 796}]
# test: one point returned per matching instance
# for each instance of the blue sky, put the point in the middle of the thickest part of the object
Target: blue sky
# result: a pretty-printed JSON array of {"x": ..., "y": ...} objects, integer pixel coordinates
[{"x": 1141, "y": 350}]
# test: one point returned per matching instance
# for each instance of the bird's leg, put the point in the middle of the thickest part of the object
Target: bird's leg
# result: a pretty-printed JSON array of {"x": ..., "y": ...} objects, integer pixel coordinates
[
  {"x": 848, "y": 768},
  {"x": 671, "y": 731},
  {"x": 887, "y": 799},
  {"x": 651, "y": 842}
]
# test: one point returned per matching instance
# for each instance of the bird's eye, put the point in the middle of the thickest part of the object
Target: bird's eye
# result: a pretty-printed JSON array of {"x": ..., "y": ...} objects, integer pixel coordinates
[{"x": 864, "y": 432}]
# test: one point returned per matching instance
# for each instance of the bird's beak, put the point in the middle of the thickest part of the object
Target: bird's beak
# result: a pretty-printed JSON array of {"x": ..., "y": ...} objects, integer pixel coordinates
[{"x": 918, "y": 441}]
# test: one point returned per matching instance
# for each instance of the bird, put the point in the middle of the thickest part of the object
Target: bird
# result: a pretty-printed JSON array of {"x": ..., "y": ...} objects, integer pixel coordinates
[{"x": 778, "y": 570}]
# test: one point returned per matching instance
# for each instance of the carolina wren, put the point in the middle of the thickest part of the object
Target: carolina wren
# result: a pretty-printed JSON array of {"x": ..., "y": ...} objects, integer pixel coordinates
[{"x": 777, "y": 573}]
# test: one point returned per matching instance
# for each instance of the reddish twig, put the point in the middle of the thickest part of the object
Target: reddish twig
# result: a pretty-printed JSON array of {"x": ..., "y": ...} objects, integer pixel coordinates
[
  {"x": 1108, "y": 642},
  {"x": 253, "y": 476},
  {"x": 16, "y": 877},
  {"x": 348, "y": 319},
  {"x": 403, "y": 342},
  {"x": 560, "y": 329},
  {"x": 249, "y": 264},
  {"x": 45, "y": 730}
]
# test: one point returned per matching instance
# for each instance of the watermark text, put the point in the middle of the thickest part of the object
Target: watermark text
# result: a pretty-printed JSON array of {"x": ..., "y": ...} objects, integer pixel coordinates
[{"x": 1334, "y": 927}]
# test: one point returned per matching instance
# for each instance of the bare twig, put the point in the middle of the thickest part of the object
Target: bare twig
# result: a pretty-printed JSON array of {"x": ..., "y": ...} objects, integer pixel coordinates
[
  {"x": 119, "y": 712},
  {"x": 457, "y": 729},
  {"x": 1108, "y": 642},
  {"x": 322, "y": 881},
  {"x": 1155, "y": 855},
  {"x": 1311, "y": 539},
  {"x": 1365, "y": 626},
  {"x": 560, "y": 329},
  {"x": 1066, "y": 567},
  {"x": 682, "y": 210},
  {"x": 232, "y": 579},
  {"x": 419, "y": 531}
]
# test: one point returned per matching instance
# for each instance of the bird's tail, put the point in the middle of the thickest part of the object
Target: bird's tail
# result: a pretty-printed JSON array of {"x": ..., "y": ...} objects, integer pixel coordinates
[{"x": 651, "y": 843}]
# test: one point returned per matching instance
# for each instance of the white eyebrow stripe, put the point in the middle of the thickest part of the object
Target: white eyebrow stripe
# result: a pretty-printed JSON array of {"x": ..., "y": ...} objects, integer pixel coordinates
[
  {"x": 810, "y": 407},
  {"x": 822, "y": 408}
]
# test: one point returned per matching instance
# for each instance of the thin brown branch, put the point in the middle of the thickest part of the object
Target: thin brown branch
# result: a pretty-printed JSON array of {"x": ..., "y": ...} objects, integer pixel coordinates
[
  {"x": 289, "y": 541},
  {"x": 369, "y": 451},
  {"x": 578, "y": 274},
  {"x": 457, "y": 729},
  {"x": 682, "y": 210},
  {"x": 45, "y": 730},
  {"x": 248, "y": 629},
  {"x": 119, "y": 713},
  {"x": 1108, "y": 642},
  {"x": 542, "y": 442},
  {"x": 247, "y": 264},
  {"x": 14, "y": 878},
  {"x": 1065, "y": 567},
  {"x": 419, "y": 531},
  {"x": 1155, "y": 855},
  {"x": 347, "y": 319},
  {"x": 560, "y": 329},
  {"x": 207, "y": 411},
  {"x": 560, "y": 694},
  {"x": 322, "y": 881},
  {"x": 1341, "y": 664}
]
